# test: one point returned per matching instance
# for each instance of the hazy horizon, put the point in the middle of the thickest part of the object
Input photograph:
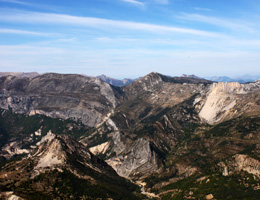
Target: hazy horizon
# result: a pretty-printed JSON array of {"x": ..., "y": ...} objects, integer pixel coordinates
[{"x": 243, "y": 76}]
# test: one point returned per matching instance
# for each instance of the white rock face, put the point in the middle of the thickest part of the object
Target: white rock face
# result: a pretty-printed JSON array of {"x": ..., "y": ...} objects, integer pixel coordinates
[
  {"x": 38, "y": 132},
  {"x": 48, "y": 160},
  {"x": 138, "y": 159},
  {"x": 13, "y": 148},
  {"x": 106, "y": 90},
  {"x": 111, "y": 123},
  {"x": 51, "y": 156},
  {"x": 222, "y": 98},
  {"x": 99, "y": 149},
  {"x": 9, "y": 196},
  {"x": 48, "y": 137}
]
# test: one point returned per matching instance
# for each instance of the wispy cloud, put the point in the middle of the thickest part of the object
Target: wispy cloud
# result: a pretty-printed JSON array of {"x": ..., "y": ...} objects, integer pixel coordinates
[
  {"x": 89, "y": 61},
  {"x": 134, "y": 2},
  {"x": 23, "y": 32},
  {"x": 16, "y": 2},
  {"x": 202, "y": 9},
  {"x": 149, "y": 42},
  {"x": 33, "y": 5},
  {"x": 62, "y": 19},
  {"x": 220, "y": 22}
]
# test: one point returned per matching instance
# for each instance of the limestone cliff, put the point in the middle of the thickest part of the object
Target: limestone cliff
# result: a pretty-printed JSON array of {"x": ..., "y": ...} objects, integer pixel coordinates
[
  {"x": 224, "y": 101},
  {"x": 65, "y": 96}
]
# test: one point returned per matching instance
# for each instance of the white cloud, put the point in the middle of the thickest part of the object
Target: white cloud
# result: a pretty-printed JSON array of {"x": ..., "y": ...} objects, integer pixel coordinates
[
  {"x": 140, "y": 61},
  {"x": 62, "y": 19},
  {"x": 33, "y": 5},
  {"x": 150, "y": 42},
  {"x": 230, "y": 24},
  {"x": 134, "y": 2},
  {"x": 16, "y": 2},
  {"x": 22, "y": 32}
]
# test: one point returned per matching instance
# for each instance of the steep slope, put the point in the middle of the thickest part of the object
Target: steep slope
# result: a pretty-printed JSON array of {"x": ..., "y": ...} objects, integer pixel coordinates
[
  {"x": 62, "y": 168},
  {"x": 147, "y": 123},
  {"x": 159, "y": 115},
  {"x": 225, "y": 101},
  {"x": 65, "y": 96},
  {"x": 19, "y": 133},
  {"x": 221, "y": 160}
]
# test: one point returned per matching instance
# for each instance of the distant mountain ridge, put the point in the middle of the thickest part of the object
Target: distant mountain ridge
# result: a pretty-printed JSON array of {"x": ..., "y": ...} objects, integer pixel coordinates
[
  {"x": 116, "y": 82},
  {"x": 20, "y": 74},
  {"x": 126, "y": 81},
  {"x": 191, "y": 76},
  {"x": 241, "y": 79}
]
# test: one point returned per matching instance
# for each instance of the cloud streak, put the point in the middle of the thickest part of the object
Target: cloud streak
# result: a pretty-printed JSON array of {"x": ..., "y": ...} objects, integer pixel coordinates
[
  {"x": 230, "y": 24},
  {"x": 22, "y": 32},
  {"x": 16, "y": 2},
  {"x": 138, "y": 3},
  {"x": 89, "y": 61},
  {"x": 101, "y": 23}
]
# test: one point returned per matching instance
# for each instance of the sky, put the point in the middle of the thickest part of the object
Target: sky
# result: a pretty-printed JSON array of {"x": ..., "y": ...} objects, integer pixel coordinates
[{"x": 131, "y": 38}]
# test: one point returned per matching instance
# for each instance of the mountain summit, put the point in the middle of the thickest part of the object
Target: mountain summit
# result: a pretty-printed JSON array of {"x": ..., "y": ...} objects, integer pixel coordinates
[
  {"x": 115, "y": 82},
  {"x": 61, "y": 167}
]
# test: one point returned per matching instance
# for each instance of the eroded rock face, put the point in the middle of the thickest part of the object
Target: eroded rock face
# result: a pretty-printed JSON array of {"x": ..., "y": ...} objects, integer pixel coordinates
[
  {"x": 60, "y": 96},
  {"x": 138, "y": 159},
  {"x": 159, "y": 110},
  {"x": 225, "y": 100},
  {"x": 240, "y": 162},
  {"x": 52, "y": 170}
]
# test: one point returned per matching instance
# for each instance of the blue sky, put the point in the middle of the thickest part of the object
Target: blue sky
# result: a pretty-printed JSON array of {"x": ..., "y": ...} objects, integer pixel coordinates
[{"x": 130, "y": 38}]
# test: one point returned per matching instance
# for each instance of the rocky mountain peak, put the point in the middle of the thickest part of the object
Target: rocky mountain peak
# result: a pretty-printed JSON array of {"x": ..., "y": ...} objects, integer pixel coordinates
[
  {"x": 115, "y": 82},
  {"x": 61, "y": 150},
  {"x": 61, "y": 162},
  {"x": 146, "y": 83},
  {"x": 190, "y": 76}
]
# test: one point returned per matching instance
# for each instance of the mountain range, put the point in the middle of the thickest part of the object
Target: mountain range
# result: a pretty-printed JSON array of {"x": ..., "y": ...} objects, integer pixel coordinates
[
  {"x": 173, "y": 137},
  {"x": 240, "y": 79},
  {"x": 119, "y": 83}
]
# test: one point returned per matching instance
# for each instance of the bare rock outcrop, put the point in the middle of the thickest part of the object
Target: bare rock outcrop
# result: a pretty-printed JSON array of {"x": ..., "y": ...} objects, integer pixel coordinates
[
  {"x": 137, "y": 160},
  {"x": 240, "y": 162},
  {"x": 66, "y": 96},
  {"x": 224, "y": 101}
]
